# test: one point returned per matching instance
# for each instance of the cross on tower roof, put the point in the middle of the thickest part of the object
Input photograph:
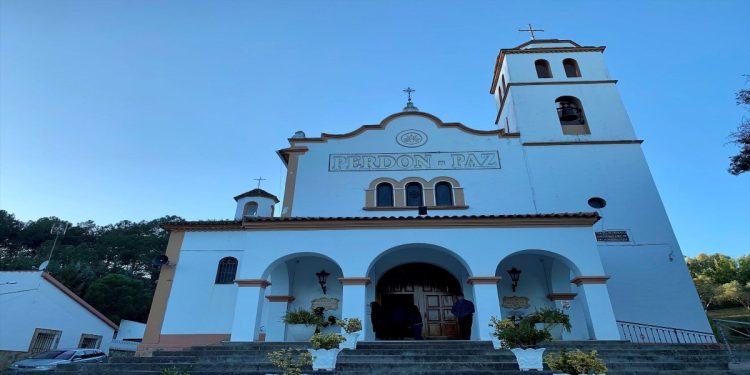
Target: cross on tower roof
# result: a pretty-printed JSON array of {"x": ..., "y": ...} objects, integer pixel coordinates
[
  {"x": 259, "y": 179},
  {"x": 408, "y": 92},
  {"x": 409, "y": 105},
  {"x": 531, "y": 31}
]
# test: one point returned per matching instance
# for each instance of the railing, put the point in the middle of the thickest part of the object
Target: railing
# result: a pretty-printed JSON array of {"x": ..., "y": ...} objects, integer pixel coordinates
[
  {"x": 130, "y": 346},
  {"x": 731, "y": 335},
  {"x": 653, "y": 334}
]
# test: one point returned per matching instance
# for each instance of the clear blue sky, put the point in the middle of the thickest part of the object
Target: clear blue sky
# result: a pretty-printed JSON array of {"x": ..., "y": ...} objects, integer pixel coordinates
[{"x": 130, "y": 109}]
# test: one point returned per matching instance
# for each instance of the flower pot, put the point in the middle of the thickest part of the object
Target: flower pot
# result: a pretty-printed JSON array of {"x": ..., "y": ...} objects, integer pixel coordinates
[
  {"x": 351, "y": 341},
  {"x": 324, "y": 359},
  {"x": 529, "y": 359},
  {"x": 555, "y": 330},
  {"x": 300, "y": 332}
]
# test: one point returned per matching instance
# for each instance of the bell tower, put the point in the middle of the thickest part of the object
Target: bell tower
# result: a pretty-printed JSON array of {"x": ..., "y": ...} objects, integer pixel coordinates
[{"x": 553, "y": 90}]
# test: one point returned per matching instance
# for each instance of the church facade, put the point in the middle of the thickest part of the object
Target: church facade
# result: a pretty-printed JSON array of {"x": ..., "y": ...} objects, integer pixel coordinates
[{"x": 555, "y": 207}]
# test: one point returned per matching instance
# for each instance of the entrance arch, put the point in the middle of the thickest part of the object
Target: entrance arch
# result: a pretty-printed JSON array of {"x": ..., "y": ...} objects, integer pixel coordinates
[{"x": 430, "y": 288}]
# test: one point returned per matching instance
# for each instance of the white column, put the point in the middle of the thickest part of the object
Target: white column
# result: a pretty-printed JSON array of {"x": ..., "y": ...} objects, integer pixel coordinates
[
  {"x": 601, "y": 317},
  {"x": 277, "y": 307},
  {"x": 354, "y": 299},
  {"x": 246, "y": 308},
  {"x": 486, "y": 304}
]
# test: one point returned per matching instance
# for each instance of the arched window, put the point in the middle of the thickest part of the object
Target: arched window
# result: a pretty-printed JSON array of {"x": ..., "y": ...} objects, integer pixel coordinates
[
  {"x": 414, "y": 194},
  {"x": 571, "y": 68},
  {"x": 251, "y": 209},
  {"x": 227, "y": 270},
  {"x": 571, "y": 115},
  {"x": 542, "y": 69},
  {"x": 443, "y": 194},
  {"x": 384, "y": 195}
]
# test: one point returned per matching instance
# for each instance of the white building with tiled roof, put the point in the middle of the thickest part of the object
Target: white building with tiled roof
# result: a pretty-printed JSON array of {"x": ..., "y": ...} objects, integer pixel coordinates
[{"x": 553, "y": 206}]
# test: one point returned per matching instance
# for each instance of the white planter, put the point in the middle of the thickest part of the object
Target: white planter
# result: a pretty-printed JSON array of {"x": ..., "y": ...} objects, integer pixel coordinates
[
  {"x": 324, "y": 359},
  {"x": 351, "y": 341},
  {"x": 300, "y": 332},
  {"x": 555, "y": 330},
  {"x": 529, "y": 359}
]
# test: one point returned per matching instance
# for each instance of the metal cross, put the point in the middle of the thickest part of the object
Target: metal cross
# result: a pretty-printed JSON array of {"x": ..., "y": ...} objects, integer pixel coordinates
[
  {"x": 531, "y": 30},
  {"x": 408, "y": 92},
  {"x": 259, "y": 179}
]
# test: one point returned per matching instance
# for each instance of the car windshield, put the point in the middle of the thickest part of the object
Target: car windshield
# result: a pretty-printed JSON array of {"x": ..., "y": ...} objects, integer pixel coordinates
[{"x": 55, "y": 354}]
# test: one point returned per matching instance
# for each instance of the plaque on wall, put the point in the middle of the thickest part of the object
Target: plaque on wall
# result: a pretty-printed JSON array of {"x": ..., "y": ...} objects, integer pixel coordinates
[
  {"x": 612, "y": 236},
  {"x": 515, "y": 303},
  {"x": 326, "y": 303}
]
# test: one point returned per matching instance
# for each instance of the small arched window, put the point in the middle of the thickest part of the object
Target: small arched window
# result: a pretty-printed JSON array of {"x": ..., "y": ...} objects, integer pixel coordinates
[
  {"x": 384, "y": 195},
  {"x": 251, "y": 209},
  {"x": 571, "y": 115},
  {"x": 414, "y": 194},
  {"x": 542, "y": 69},
  {"x": 571, "y": 68},
  {"x": 227, "y": 270},
  {"x": 443, "y": 194}
]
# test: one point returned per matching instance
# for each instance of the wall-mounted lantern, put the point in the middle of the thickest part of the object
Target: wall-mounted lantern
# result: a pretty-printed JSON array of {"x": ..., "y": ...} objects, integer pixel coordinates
[
  {"x": 322, "y": 278},
  {"x": 515, "y": 274}
]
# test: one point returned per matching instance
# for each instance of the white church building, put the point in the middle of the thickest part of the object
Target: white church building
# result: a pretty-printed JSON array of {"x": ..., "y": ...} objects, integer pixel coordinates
[{"x": 414, "y": 210}]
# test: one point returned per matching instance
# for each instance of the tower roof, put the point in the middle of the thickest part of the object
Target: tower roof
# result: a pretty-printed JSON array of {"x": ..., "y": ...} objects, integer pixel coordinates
[{"x": 257, "y": 193}]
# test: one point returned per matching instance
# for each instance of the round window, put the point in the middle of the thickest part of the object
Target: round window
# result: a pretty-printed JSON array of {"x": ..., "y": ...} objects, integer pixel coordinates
[{"x": 597, "y": 202}]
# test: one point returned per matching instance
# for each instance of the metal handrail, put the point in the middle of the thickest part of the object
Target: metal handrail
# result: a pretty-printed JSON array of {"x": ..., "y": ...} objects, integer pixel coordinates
[
  {"x": 720, "y": 327},
  {"x": 651, "y": 333}
]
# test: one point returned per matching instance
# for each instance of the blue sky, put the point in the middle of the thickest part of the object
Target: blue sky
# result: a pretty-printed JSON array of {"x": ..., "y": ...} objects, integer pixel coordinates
[{"x": 114, "y": 110}]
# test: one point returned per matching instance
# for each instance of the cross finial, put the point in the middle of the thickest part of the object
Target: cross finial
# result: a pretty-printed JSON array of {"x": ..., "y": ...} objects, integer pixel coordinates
[
  {"x": 408, "y": 92},
  {"x": 531, "y": 31},
  {"x": 409, "y": 105},
  {"x": 259, "y": 179}
]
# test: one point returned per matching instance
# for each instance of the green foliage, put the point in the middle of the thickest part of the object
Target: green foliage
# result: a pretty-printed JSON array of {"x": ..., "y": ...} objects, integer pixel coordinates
[
  {"x": 326, "y": 340},
  {"x": 575, "y": 362},
  {"x": 551, "y": 316},
  {"x": 718, "y": 267},
  {"x": 708, "y": 290},
  {"x": 743, "y": 269},
  {"x": 86, "y": 254},
  {"x": 736, "y": 292},
  {"x": 116, "y": 294},
  {"x": 350, "y": 325},
  {"x": 522, "y": 334},
  {"x": 289, "y": 360},
  {"x": 740, "y": 163},
  {"x": 302, "y": 316},
  {"x": 174, "y": 371}
]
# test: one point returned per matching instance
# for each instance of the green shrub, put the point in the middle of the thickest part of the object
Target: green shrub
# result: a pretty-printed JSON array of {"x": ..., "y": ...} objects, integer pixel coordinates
[
  {"x": 350, "y": 325},
  {"x": 326, "y": 340},
  {"x": 551, "y": 316},
  {"x": 302, "y": 316},
  {"x": 289, "y": 360},
  {"x": 174, "y": 371},
  {"x": 520, "y": 334},
  {"x": 575, "y": 362}
]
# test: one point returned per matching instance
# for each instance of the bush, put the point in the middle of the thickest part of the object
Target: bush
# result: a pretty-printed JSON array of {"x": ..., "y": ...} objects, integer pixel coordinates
[
  {"x": 518, "y": 335},
  {"x": 290, "y": 360},
  {"x": 326, "y": 340},
  {"x": 551, "y": 317},
  {"x": 576, "y": 362},
  {"x": 174, "y": 371},
  {"x": 350, "y": 325},
  {"x": 302, "y": 316}
]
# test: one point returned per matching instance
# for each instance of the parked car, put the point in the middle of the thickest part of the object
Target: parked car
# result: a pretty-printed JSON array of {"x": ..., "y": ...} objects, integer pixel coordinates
[{"x": 47, "y": 361}]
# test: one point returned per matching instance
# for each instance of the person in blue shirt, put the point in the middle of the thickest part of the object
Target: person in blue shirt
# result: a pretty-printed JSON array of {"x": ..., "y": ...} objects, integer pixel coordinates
[{"x": 463, "y": 310}]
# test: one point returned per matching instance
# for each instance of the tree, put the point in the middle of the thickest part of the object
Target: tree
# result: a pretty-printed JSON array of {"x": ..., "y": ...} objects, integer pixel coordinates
[
  {"x": 717, "y": 267},
  {"x": 736, "y": 292},
  {"x": 743, "y": 269},
  {"x": 120, "y": 297},
  {"x": 708, "y": 291},
  {"x": 741, "y": 137}
]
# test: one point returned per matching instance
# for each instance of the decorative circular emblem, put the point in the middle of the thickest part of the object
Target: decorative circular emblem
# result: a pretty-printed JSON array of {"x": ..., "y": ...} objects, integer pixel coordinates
[{"x": 411, "y": 138}]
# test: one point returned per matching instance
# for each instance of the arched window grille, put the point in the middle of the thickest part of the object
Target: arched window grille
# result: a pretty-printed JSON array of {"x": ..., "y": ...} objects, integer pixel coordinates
[
  {"x": 414, "y": 194},
  {"x": 226, "y": 271},
  {"x": 443, "y": 194},
  {"x": 542, "y": 69},
  {"x": 384, "y": 195},
  {"x": 571, "y": 68}
]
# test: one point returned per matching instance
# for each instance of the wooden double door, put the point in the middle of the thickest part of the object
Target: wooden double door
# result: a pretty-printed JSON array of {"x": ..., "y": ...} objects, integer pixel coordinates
[{"x": 418, "y": 286}]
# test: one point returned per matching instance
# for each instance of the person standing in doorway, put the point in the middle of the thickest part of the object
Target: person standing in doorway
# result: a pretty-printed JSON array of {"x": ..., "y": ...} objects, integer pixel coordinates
[{"x": 463, "y": 310}]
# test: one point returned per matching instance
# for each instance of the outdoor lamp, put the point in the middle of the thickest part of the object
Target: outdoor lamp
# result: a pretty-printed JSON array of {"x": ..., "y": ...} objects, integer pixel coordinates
[
  {"x": 322, "y": 277},
  {"x": 515, "y": 274}
]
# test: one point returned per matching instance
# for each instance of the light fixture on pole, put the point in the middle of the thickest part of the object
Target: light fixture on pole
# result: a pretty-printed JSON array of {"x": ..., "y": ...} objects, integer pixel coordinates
[
  {"x": 515, "y": 274},
  {"x": 322, "y": 278}
]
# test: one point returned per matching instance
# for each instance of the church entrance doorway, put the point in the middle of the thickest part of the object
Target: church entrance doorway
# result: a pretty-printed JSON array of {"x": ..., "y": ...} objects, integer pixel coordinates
[{"x": 422, "y": 289}]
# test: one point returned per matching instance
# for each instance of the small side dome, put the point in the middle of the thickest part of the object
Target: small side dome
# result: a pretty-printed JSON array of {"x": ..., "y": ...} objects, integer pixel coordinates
[
  {"x": 255, "y": 203},
  {"x": 299, "y": 134}
]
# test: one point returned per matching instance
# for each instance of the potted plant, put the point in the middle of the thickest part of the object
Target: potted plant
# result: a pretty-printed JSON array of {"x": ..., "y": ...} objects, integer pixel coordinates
[
  {"x": 325, "y": 350},
  {"x": 301, "y": 324},
  {"x": 575, "y": 363},
  {"x": 522, "y": 338},
  {"x": 352, "y": 327},
  {"x": 553, "y": 320},
  {"x": 290, "y": 360}
]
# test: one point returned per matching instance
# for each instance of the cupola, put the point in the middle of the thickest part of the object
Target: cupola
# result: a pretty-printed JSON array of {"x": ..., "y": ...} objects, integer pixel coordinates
[{"x": 255, "y": 203}]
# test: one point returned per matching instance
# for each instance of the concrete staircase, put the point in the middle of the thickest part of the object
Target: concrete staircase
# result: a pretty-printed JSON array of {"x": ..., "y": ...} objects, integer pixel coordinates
[{"x": 423, "y": 357}]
